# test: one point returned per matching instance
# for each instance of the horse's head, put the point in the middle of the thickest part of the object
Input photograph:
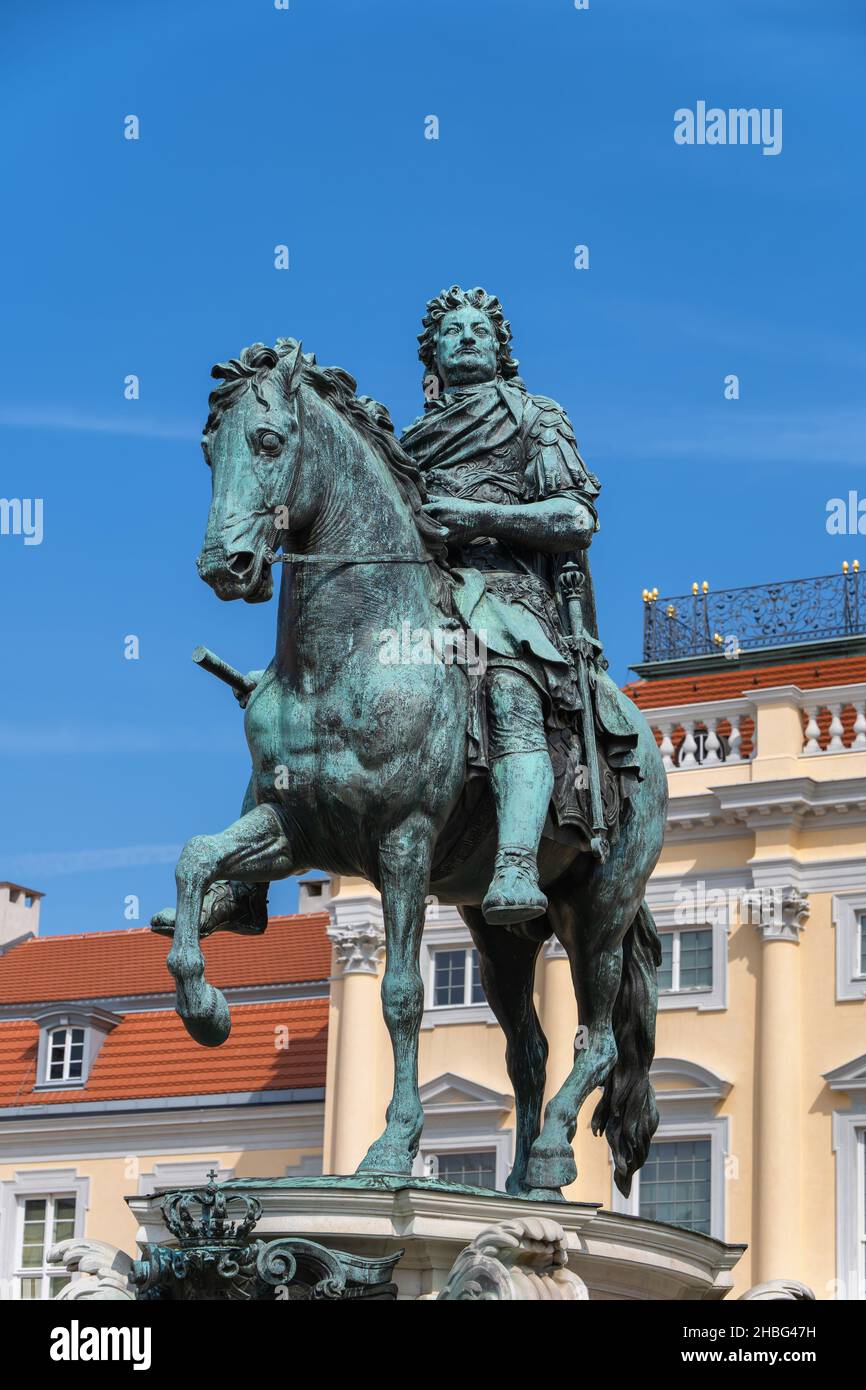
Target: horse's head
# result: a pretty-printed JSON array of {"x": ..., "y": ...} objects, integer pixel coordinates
[{"x": 251, "y": 443}]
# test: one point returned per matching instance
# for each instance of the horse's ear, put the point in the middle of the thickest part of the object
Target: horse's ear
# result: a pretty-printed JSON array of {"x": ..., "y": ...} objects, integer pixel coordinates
[{"x": 293, "y": 363}]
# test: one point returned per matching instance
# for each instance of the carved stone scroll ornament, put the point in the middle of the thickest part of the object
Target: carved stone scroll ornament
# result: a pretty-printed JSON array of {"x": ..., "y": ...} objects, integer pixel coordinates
[
  {"x": 524, "y": 1260},
  {"x": 775, "y": 1289},
  {"x": 103, "y": 1270}
]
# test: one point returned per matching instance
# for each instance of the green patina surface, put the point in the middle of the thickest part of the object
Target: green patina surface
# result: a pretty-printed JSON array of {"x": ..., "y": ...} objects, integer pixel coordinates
[
  {"x": 523, "y": 788},
  {"x": 372, "y": 1182}
]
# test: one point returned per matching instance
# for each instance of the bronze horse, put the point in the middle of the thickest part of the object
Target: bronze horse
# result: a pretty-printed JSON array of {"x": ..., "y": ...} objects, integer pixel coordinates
[{"x": 359, "y": 767}]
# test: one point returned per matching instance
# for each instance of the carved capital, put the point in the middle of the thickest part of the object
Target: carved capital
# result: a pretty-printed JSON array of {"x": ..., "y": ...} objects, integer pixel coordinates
[
  {"x": 357, "y": 931},
  {"x": 359, "y": 949},
  {"x": 783, "y": 913}
]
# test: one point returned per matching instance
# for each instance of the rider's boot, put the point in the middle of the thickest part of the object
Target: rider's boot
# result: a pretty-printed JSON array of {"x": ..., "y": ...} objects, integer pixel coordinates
[
  {"x": 522, "y": 785},
  {"x": 228, "y": 906}
]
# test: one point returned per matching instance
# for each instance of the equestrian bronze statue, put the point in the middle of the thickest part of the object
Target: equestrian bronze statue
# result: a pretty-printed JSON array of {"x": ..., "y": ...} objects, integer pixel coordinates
[{"x": 522, "y": 786}]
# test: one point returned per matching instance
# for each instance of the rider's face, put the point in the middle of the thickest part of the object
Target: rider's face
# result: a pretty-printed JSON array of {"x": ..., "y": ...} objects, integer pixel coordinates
[{"x": 465, "y": 347}]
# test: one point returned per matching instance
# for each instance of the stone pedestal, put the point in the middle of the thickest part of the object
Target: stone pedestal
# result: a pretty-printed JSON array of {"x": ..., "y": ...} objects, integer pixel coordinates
[{"x": 616, "y": 1257}]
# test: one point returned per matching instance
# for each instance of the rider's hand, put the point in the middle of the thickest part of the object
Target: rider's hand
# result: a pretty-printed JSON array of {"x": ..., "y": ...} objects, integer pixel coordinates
[{"x": 462, "y": 518}]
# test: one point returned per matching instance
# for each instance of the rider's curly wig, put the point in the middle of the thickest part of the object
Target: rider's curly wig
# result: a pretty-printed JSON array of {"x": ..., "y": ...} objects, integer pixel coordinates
[{"x": 455, "y": 298}]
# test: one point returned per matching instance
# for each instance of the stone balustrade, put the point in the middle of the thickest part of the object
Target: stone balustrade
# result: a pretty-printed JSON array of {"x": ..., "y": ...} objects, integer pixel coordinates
[
  {"x": 835, "y": 719},
  {"x": 717, "y": 732},
  {"x": 701, "y": 735}
]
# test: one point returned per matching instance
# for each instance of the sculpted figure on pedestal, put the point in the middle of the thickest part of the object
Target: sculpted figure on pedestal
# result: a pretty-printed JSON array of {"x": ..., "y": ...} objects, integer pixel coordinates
[{"x": 524, "y": 788}]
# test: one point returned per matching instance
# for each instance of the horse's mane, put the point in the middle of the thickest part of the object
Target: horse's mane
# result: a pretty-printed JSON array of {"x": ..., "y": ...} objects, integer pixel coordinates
[{"x": 339, "y": 389}]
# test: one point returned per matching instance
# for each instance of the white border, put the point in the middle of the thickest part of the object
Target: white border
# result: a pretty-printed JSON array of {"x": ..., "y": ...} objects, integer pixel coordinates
[
  {"x": 845, "y": 909},
  {"x": 44, "y": 1182},
  {"x": 443, "y": 932}
]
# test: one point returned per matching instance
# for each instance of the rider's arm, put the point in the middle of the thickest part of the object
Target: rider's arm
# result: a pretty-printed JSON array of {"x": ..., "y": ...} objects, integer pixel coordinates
[{"x": 556, "y": 524}]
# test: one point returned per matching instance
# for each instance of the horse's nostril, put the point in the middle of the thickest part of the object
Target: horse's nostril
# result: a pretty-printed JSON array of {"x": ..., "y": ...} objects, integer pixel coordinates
[{"x": 241, "y": 563}]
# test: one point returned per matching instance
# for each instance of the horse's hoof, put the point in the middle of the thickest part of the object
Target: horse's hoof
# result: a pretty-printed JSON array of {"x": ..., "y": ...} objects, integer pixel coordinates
[
  {"x": 385, "y": 1158},
  {"x": 163, "y": 922},
  {"x": 551, "y": 1168},
  {"x": 541, "y": 1194},
  {"x": 210, "y": 1023}
]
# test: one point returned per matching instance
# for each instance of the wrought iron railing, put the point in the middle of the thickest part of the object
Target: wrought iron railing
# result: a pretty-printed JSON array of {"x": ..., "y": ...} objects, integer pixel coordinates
[{"x": 728, "y": 621}]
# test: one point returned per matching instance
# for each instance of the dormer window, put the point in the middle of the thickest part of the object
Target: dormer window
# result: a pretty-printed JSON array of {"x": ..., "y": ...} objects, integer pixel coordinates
[
  {"x": 66, "y": 1054},
  {"x": 69, "y": 1040}
]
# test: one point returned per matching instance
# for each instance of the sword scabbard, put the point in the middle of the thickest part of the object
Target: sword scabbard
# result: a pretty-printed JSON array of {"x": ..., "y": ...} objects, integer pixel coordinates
[{"x": 572, "y": 588}]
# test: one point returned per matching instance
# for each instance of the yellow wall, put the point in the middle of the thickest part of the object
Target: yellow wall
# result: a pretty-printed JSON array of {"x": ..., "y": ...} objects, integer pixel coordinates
[{"x": 776, "y": 1076}]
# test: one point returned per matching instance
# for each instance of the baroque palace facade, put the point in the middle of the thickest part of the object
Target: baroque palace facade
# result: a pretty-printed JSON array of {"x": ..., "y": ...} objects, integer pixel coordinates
[{"x": 760, "y": 1070}]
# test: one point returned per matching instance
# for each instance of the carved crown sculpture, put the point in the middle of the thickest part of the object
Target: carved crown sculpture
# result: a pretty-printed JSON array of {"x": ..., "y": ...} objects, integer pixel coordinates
[{"x": 209, "y": 1216}]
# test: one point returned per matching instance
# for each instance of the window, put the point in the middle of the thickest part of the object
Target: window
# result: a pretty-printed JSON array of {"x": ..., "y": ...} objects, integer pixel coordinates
[
  {"x": 849, "y": 920},
  {"x": 463, "y": 1139},
  {"x": 69, "y": 1041},
  {"x": 456, "y": 978},
  {"x": 675, "y": 1184},
  {"x": 66, "y": 1054},
  {"x": 449, "y": 965},
  {"x": 472, "y": 1169},
  {"x": 849, "y": 1146},
  {"x": 687, "y": 960},
  {"x": 44, "y": 1222},
  {"x": 684, "y": 1178},
  {"x": 694, "y": 969}
]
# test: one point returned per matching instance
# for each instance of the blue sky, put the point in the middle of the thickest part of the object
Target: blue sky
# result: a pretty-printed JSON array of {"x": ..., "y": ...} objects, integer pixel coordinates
[{"x": 306, "y": 127}]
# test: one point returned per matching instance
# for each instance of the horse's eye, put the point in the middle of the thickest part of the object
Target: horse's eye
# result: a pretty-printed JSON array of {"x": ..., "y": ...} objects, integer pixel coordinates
[{"x": 270, "y": 442}]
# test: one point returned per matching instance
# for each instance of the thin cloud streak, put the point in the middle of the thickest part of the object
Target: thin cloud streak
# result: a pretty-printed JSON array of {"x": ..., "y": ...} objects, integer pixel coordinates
[
  {"x": 37, "y": 741},
  {"x": 40, "y": 419},
  {"x": 766, "y": 437},
  {"x": 52, "y": 863}
]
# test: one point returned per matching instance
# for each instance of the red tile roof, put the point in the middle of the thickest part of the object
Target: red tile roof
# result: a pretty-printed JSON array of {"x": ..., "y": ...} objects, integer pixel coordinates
[
  {"x": 98, "y": 965},
  {"x": 150, "y": 1054},
  {"x": 734, "y": 680}
]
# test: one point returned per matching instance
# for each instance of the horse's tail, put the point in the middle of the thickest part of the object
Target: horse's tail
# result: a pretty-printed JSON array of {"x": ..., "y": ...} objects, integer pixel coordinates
[{"x": 627, "y": 1112}]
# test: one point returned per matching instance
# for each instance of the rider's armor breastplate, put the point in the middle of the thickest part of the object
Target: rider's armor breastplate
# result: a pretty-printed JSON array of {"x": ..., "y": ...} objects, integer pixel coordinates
[{"x": 497, "y": 476}]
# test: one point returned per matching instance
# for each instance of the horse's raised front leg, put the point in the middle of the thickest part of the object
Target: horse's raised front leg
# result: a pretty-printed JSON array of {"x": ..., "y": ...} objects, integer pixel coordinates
[
  {"x": 254, "y": 848},
  {"x": 507, "y": 964},
  {"x": 404, "y": 861},
  {"x": 228, "y": 905}
]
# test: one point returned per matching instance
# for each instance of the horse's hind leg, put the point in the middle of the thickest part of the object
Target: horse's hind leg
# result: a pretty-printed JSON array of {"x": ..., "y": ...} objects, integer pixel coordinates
[
  {"x": 592, "y": 942},
  {"x": 507, "y": 965},
  {"x": 254, "y": 848}
]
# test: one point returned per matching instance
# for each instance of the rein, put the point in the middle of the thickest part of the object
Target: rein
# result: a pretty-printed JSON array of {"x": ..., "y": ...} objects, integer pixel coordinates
[{"x": 387, "y": 559}]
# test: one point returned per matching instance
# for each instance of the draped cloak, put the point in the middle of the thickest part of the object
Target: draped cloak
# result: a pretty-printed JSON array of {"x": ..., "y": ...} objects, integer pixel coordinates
[{"x": 495, "y": 442}]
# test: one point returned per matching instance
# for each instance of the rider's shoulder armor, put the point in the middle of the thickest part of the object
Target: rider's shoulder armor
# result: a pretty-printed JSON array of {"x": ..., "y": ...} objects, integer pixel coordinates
[{"x": 554, "y": 462}]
